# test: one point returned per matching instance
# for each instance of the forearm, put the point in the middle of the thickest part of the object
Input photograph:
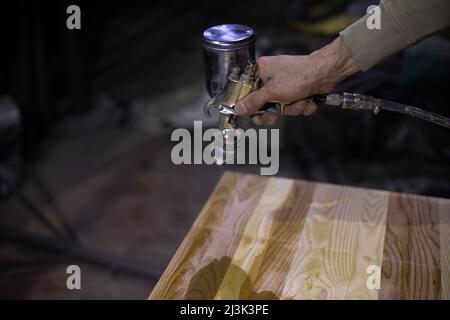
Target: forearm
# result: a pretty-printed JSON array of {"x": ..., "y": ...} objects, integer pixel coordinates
[
  {"x": 334, "y": 64},
  {"x": 403, "y": 23}
]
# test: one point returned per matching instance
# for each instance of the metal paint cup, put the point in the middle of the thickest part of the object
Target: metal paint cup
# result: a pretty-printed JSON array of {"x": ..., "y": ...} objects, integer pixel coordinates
[{"x": 226, "y": 46}]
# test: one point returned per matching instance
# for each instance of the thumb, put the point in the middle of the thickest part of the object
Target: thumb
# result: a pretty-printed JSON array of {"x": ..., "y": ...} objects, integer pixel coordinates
[{"x": 253, "y": 102}]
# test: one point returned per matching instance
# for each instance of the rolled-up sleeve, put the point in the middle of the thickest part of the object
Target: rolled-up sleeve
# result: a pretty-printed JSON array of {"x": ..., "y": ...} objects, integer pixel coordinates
[{"x": 402, "y": 24}]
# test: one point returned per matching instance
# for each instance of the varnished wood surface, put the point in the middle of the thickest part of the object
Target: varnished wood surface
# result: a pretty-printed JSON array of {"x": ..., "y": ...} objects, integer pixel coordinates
[{"x": 275, "y": 238}]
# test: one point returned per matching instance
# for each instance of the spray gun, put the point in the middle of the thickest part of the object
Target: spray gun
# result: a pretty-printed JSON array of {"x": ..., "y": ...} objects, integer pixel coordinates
[
  {"x": 238, "y": 86},
  {"x": 229, "y": 52}
]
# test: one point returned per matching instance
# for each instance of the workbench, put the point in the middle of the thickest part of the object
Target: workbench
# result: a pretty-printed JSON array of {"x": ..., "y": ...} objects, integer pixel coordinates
[{"x": 276, "y": 238}]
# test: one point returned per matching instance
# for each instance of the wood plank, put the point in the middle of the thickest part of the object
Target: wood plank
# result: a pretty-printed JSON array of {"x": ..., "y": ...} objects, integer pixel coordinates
[
  {"x": 273, "y": 238},
  {"x": 253, "y": 241},
  {"x": 260, "y": 234},
  {"x": 286, "y": 226},
  {"x": 320, "y": 273},
  {"x": 342, "y": 237},
  {"x": 411, "y": 263},
  {"x": 212, "y": 236},
  {"x": 444, "y": 232}
]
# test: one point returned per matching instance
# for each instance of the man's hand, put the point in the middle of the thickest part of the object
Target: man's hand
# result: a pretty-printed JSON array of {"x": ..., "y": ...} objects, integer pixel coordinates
[{"x": 295, "y": 78}]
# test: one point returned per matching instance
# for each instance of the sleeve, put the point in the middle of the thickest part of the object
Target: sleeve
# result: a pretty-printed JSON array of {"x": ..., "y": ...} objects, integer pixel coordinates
[{"x": 402, "y": 24}]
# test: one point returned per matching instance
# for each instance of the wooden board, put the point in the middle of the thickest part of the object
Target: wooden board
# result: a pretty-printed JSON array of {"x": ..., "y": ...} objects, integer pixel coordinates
[{"x": 274, "y": 238}]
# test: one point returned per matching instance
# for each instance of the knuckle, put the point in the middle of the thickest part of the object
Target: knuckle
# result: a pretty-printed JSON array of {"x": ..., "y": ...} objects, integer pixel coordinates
[
  {"x": 270, "y": 90},
  {"x": 245, "y": 104},
  {"x": 264, "y": 75},
  {"x": 270, "y": 118},
  {"x": 257, "y": 120},
  {"x": 297, "y": 108},
  {"x": 310, "y": 109},
  {"x": 263, "y": 60},
  {"x": 252, "y": 102},
  {"x": 271, "y": 121}
]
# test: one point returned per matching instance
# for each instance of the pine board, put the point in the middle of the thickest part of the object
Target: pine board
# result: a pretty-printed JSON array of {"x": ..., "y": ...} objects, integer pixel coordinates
[{"x": 275, "y": 238}]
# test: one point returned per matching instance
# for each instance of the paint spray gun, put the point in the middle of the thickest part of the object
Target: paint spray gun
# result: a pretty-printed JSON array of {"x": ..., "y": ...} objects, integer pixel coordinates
[{"x": 231, "y": 74}]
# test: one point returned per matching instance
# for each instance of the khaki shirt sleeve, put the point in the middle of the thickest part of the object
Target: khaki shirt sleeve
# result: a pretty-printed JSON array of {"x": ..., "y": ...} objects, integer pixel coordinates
[{"x": 402, "y": 24}]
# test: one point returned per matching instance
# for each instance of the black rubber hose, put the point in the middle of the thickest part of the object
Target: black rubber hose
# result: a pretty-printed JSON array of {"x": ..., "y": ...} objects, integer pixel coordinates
[{"x": 415, "y": 112}]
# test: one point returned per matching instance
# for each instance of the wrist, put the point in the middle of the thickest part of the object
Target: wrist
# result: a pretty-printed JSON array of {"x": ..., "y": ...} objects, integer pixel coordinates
[{"x": 334, "y": 62}]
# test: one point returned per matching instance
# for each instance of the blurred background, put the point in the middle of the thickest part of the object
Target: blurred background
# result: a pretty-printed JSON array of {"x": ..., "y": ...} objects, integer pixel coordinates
[{"x": 89, "y": 181}]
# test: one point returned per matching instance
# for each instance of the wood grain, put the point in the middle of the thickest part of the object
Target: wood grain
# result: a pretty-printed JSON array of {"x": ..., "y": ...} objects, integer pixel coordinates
[
  {"x": 444, "y": 232},
  {"x": 274, "y": 238},
  {"x": 343, "y": 235},
  {"x": 411, "y": 266}
]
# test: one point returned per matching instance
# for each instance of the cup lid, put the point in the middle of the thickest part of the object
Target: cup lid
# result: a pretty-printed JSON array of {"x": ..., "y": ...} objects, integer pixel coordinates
[{"x": 228, "y": 36}]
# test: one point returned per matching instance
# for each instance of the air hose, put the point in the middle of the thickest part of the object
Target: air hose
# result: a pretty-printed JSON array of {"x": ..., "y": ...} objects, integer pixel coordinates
[{"x": 358, "y": 101}]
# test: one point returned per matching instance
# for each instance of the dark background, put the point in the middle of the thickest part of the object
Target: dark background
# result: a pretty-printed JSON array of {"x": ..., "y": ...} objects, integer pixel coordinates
[{"x": 98, "y": 106}]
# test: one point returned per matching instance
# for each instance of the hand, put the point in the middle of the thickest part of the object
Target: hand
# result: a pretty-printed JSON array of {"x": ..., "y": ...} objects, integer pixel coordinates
[{"x": 295, "y": 78}]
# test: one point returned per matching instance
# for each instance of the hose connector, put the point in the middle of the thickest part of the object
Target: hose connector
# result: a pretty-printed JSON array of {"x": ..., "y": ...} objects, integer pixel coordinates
[
  {"x": 358, "y": 101},
  {"x": 354, "y": 101}
]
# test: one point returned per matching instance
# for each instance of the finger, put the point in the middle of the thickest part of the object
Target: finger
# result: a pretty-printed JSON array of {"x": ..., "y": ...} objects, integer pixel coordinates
[
  {"x": 253, "y": 102},
  {"x": 257, "y": 120},
  {"x": 311, "y": 107},
  {"x": 269, "y": 118},
  {"x": 295, "y": 108},
  {"x": 302, "y": 107}
]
